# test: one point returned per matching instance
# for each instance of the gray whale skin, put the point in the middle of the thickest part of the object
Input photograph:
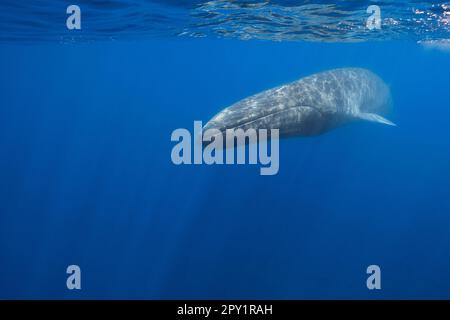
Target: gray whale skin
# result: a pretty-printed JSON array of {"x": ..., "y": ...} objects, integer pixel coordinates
[{"x": 310, "y": 106}]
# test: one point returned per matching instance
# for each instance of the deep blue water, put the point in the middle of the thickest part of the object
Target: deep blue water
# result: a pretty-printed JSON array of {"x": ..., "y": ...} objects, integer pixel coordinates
[{"x": 87, "y": 179}]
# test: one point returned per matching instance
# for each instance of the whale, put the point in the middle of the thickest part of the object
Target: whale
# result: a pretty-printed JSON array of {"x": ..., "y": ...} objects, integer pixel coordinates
[{"x": 309, "y": 106}]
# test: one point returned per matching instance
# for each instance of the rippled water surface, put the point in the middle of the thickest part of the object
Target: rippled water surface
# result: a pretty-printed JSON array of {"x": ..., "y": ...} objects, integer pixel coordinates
[{"x": 30, "y": 20}]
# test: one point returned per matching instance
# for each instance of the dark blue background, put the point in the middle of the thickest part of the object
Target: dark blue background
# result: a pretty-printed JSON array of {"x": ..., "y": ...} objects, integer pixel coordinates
[{"x": 86, "y": 176}]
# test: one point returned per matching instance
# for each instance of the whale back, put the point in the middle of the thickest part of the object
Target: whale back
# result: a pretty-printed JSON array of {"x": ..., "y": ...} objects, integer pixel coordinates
[{"x": 342, "y": 94}]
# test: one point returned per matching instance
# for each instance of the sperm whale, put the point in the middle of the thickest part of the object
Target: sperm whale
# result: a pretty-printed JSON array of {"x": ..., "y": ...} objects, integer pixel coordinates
[{"x": 309, "y": 106}]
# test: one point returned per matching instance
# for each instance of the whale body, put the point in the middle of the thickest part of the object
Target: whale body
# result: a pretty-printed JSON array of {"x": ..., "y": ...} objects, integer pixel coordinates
[{"x": 310, "y": 106}]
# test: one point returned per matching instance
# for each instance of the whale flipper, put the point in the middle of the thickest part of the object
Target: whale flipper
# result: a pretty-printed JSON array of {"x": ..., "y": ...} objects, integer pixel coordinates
[{"x": 373, "y": 117}]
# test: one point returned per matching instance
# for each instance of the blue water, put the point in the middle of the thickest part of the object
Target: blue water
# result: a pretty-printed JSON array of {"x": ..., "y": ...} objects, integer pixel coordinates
[{"x": 87, "y": 178}]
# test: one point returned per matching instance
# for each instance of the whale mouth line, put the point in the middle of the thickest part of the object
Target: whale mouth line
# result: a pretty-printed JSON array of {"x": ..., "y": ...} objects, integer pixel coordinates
[{"x": 247, "y": 122}]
